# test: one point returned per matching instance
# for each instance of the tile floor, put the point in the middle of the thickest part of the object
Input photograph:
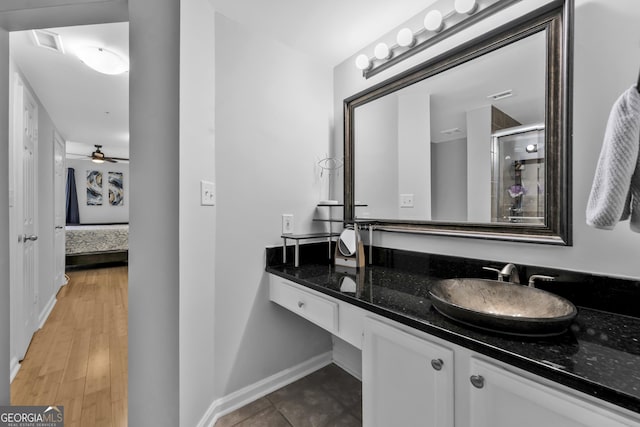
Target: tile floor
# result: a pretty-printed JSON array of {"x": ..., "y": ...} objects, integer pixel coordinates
[{"x": 329, "y": 397}]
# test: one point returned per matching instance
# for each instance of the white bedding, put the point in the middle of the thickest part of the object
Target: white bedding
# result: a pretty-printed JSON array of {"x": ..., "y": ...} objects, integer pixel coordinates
[{"x": 81, "y": 239}]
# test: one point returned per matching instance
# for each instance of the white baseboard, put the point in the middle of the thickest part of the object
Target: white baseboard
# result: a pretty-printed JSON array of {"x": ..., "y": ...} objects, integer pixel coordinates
[
  {"x": 240, "y": 398},
  {"x": 347, "y": 357},
  {"x": 44, "y": 315},
  {"x": 14, "y": 367}
]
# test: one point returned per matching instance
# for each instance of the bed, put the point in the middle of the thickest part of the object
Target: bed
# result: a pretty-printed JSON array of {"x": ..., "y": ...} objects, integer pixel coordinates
[{"x": 96, "y": 244}]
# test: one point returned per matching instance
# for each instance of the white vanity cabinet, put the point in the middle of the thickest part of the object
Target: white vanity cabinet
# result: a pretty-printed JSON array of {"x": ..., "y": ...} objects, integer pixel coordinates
[
  {"x": 406, "y": 380},
  {"x": 500, "y": 398},
  {"x": 411, "y": 378}
]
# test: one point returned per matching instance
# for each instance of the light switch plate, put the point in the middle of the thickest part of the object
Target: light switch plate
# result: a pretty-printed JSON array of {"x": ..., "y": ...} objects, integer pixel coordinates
[{"x": 207, "y": 193}]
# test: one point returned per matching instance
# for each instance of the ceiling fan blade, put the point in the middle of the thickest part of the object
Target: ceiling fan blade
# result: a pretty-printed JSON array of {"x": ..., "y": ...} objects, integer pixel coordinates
[
  {"x": 119, "y": 158},
  {"x": 110, "y": 160}
]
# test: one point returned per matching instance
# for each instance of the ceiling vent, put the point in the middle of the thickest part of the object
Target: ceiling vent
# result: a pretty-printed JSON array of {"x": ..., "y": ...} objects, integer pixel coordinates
[
  {"x": 48, "y": 40},
  {"x": 451, "y": 131},
  {"x": 501, "y": 95}
]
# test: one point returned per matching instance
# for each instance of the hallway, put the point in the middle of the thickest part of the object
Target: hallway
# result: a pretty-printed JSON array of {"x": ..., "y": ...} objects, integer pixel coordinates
[{"x": 79, "y": 357}]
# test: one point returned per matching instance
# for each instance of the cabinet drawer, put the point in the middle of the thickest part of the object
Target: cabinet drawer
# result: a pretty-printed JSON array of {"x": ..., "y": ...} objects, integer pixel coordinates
[{"x": 314, "y": 308}]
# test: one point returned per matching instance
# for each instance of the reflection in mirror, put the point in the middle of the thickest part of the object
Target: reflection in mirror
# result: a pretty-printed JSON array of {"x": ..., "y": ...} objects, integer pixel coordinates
[
  {"x": 517, "y": 175},
  {"x": 474, "y": 142},
  {"x": 425, "y": 152}
]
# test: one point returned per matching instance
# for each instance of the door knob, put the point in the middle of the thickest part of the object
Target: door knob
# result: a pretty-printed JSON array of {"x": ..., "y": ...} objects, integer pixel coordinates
[
  {"x": 33, "y": 238},
  {"x": 437, "y": 364},
  {"x": 59, "y": 227},
  {"x": 477, "y": 381}
]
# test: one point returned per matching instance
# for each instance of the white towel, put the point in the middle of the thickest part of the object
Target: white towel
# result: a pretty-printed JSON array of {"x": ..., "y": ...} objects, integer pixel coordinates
[{"x": 615, "y": 194}]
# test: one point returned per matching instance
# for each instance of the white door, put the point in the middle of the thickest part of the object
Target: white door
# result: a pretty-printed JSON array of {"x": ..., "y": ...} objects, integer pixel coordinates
[
  {"x": 406, "y": 381},
  {"x": 59, "y": 208},
  {"x": 24, "y": 292},
  {"x": 500, "y": 398}
]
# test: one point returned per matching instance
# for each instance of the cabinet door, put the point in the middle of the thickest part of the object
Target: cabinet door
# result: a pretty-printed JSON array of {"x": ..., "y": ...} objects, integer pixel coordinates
[
  {"x": 406, "y": 381},
  {"x": 501, "y": 398}
]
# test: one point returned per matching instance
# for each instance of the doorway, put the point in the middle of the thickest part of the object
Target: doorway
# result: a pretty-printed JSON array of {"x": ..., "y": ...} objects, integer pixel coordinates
[
  {"x": 153, "y": 381},
  {"x": 66, "y": 371}
]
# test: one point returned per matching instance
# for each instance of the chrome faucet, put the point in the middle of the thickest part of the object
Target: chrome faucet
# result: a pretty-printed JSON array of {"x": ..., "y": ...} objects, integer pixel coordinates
[
  {"x": 508, "y": 272},
  {"x": 534, "y": 277}
]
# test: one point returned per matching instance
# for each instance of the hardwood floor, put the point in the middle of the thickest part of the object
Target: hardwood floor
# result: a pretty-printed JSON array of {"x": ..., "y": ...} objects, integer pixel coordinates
[{"x": 79, "y": 357}]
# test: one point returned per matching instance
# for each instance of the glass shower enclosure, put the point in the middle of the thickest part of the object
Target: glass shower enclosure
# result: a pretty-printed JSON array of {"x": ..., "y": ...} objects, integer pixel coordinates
[{"x": 518, "y": 175}]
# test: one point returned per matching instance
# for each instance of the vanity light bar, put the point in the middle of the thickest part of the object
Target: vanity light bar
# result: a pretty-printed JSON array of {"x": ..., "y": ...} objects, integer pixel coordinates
[{"x": 445, "y": 18}]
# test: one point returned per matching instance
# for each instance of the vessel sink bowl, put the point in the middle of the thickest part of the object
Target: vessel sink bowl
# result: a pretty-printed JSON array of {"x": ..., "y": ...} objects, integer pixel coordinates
[{"x": 502, "y": 307}]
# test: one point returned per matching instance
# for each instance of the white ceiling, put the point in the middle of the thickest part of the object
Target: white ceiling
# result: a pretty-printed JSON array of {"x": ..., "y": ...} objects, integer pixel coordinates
[
  {"x": 519, "y": 67},
  {"x": 89, "y": 108},
  {"x": 331, "y": 30}
]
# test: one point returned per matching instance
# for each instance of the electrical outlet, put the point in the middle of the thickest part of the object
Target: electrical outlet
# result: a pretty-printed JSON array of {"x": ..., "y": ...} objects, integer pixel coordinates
[
  {"x": 406, "y": 200},
  {"x": 287, "y": 223},
  {"x": 207, "y": 193}
]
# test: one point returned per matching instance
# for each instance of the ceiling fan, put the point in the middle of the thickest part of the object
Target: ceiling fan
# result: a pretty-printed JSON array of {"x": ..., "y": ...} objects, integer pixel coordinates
[{"x": 99, "y": 157}]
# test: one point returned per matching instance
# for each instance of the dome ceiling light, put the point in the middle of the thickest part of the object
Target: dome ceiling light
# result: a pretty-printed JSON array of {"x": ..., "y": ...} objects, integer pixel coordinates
[{"x": 103, "y": 60}]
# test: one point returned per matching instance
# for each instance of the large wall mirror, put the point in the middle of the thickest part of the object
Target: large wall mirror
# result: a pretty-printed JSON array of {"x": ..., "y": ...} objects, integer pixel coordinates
[{"x": 472, "y": 143}]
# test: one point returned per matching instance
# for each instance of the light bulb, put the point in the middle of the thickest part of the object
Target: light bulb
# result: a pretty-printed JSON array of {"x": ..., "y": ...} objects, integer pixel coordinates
[
  {"x": 382, "y": 51},
  {"x": 433, "y": 21},
  {"x": 466, "y": 6},
  {"x": 362, "y": 62},
  {"x": 405, "y": 38}
]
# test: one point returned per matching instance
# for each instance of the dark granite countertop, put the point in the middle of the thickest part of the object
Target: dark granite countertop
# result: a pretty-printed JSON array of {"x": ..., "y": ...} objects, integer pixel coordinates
[{"x": 599, "y": 355}]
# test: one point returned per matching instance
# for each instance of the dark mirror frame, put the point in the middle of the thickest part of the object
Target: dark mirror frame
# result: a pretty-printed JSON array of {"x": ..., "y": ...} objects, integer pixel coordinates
[{"x": 556, "y": 18}]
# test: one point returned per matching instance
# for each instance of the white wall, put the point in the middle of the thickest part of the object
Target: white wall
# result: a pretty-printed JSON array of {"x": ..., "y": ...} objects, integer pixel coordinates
[
  {"x": 392, "y": 148},
  {"x": 154, "y": 280},
  {"x": 272, "y": 124},
  {"x": 606, "y": 63},
  {"x": 478, "y": 163},
  {"x": 105, "y": 213},
  {"x": 414, "y": 154},
  {"x": 4, "y": 221},
  {"x": 197, "y": 223},
  {"x": 377, "y": 139},
  {"x": 449, "y": 180},
  {"x": 13, "y": 243},
  {"x": 47, "y": 289}
]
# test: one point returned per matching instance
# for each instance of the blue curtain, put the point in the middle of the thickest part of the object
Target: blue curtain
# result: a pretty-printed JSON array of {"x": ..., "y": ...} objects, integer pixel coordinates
[{"x": 73, "y": 213}]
